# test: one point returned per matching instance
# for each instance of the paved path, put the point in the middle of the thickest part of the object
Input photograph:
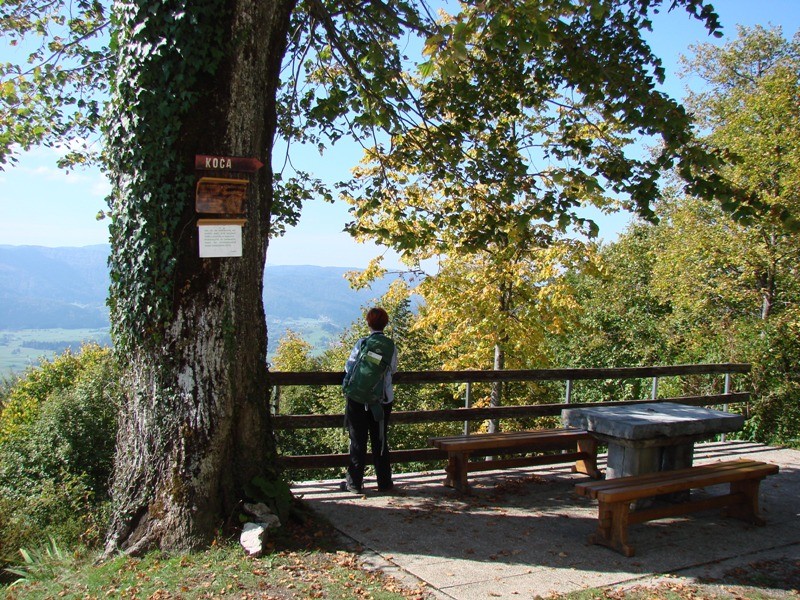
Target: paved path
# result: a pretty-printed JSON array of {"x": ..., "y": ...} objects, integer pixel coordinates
[{"x": 522, "y": 533}]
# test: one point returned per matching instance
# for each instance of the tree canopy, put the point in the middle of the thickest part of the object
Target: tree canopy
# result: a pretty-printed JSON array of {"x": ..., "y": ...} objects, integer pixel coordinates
[
  {"x": 750, "y": 111},
  {"x": 544, "y": 96},
  {"x": 527, "y": 112},
  {"x": 53, "y": 94}
]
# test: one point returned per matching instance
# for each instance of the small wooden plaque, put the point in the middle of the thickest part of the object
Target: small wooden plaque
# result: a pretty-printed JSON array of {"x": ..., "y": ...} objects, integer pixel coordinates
[{"x": 221, "y": 196}]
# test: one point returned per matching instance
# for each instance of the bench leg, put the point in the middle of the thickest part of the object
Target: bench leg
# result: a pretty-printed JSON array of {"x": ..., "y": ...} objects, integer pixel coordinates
[
  {"x": 457, "y": 471},
  {"x": 747, "y": 509},
  {"x": 588, "y": 465},
  {"x": 612, "y": 527}
]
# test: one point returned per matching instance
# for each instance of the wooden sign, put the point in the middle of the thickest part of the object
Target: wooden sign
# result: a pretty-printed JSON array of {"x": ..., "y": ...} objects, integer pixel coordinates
[
  {"x": 203, "y": 162},
  {"x": 220, "y": 196}
]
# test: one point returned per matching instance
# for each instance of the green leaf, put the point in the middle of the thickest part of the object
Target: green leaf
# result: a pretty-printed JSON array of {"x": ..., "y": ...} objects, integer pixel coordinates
[{"x": 426, "y": 69}]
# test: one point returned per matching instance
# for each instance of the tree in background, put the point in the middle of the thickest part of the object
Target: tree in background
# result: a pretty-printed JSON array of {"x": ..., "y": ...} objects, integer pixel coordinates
[
  {"x": 682, "y": 291},
  {"x": 704, "y": 271},
  {"x": 295, "y": 354},
  {"x": 57, "y": 432},
  {"x": 618, "y": 320},
  {"x": 701, "y": 286},
  {"x": 204, "y": 77},
  {"x": 530, "y": 116},
  {"x": 496, "y": 307},
  {"x": 750, "y": 110}
]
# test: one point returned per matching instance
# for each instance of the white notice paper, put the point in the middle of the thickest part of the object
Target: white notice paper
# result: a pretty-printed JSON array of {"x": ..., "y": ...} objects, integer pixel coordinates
[{"x": 220, "y": 241}]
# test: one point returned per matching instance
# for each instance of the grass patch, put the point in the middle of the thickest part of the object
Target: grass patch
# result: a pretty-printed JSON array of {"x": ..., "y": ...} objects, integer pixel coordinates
[{"x": 308, "y": 561}]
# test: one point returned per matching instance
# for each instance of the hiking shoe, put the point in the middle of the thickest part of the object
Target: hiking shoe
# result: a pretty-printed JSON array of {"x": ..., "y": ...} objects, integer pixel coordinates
[
  {"x": 346, "y": 487},
  {"x": 386, "y": 488}
]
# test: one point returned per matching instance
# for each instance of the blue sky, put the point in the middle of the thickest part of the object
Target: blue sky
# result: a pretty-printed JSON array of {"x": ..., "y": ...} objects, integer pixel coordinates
[{"x": 45, "y": 206}]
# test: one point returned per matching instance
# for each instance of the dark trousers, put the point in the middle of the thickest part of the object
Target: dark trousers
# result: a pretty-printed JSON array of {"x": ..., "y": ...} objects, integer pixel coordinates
[{"x": 360, "y": 425}]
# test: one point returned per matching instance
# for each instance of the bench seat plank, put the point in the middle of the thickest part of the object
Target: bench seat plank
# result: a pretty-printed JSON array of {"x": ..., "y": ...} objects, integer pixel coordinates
[
  {"x": 667, "y": 482},
  {"x": 616, "y": 497},
  {"x": 459, "y": 448},
  {"x": 511, "y": 439}
]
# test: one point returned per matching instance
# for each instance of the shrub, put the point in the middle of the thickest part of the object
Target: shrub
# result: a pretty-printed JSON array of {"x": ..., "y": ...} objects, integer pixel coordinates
[
  {"x": 76, "y": 430},
  {"x": 57, "y": 437},
  {"x": 775, "y": 418},
  {"x": 7, "y": 383},
  {"x": 27, "y": 394}
]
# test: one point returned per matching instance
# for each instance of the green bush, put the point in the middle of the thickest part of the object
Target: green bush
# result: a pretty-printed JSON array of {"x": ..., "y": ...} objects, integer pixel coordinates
[
  {"x": 28, "y": 393},
  {"x": 58, "y": 431},
  {"x": 775, "y": 418}
]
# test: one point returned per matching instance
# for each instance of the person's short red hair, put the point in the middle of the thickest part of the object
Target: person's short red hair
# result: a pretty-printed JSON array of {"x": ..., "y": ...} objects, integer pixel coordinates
[{"x": 377, "y": 319}]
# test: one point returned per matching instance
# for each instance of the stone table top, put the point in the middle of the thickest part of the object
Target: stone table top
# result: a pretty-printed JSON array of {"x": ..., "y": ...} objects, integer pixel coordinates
[{"x": 652, "y": 420}]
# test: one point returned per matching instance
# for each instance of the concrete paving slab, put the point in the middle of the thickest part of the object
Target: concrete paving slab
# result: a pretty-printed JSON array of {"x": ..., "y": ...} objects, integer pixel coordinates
[
  {"x": 535, "y": 583},
  {"x": 523, "y": 532}
]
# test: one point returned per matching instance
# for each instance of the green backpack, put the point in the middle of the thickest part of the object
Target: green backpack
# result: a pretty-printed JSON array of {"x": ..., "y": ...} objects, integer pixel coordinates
[{"x": 364, "y": 382}]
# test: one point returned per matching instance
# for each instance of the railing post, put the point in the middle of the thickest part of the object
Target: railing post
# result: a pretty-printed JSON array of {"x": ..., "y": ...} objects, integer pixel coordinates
[
  {"x": 654, "y": 394},
  {"x": 467, "y": 404},
  {"x": 276, "y": 405},
  {"x": 568, "y": 397},
  {"x": 727, "y": 391}
]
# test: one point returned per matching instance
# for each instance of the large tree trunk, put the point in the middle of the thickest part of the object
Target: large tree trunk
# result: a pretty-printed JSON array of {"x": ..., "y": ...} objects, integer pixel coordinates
[{"x": 195, "y": 77}]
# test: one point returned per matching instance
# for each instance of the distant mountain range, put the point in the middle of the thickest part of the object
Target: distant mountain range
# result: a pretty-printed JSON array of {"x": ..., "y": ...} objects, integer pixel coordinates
[{"x": 48, "y": 288}]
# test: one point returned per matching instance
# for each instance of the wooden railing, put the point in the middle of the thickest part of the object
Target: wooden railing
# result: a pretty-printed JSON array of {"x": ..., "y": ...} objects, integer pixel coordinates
[{"x": 278, "y": 379}]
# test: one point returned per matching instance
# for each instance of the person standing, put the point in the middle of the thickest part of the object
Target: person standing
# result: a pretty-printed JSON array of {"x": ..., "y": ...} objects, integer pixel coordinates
[{"x": 371, "y": 421}]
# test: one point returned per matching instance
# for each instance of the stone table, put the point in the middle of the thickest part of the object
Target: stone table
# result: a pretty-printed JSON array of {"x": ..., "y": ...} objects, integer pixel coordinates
[{"x": 653, "y": 436}]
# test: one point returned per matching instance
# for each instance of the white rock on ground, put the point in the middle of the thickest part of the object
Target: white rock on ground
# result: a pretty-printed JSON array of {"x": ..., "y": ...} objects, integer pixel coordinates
[{"x": 253, "y": 537}]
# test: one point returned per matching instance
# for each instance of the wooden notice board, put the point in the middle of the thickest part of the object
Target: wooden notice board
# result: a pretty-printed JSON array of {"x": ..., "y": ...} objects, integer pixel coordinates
[{"x": 221, "y": 196}]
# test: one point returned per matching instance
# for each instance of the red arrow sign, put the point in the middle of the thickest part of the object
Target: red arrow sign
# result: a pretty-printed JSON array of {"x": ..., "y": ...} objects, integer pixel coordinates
[{"x": 204, "y": 162}]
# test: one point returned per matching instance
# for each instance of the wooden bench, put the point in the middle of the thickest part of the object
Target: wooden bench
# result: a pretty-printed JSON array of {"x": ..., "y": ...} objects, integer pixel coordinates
[
  {"x": 615, "y": 497},
  {"x": 459, "y": 448}
]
